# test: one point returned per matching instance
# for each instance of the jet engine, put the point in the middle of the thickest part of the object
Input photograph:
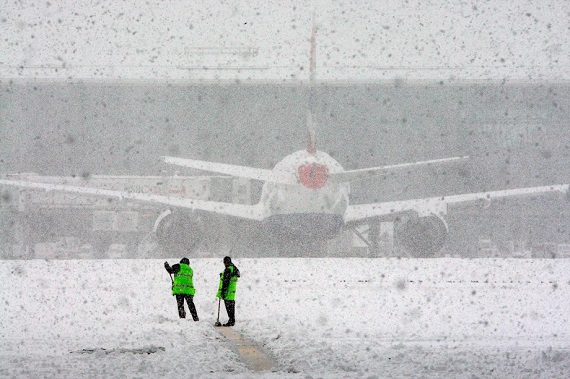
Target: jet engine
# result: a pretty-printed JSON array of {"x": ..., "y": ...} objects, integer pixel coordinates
[
  {"x": 422, "y": 236},
  {"x": 179, "y": 232}
]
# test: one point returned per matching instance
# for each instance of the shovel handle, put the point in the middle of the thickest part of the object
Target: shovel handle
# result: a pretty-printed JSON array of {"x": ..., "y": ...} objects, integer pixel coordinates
[{"x": 218, "y": 323}]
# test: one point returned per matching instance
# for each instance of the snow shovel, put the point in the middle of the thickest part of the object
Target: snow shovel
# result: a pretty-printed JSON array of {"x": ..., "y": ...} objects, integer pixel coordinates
[{"x": 218, "y": 323}]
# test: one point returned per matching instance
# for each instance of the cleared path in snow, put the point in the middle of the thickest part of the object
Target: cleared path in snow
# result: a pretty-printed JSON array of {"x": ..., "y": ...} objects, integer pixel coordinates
[{"x": 254, "y": 358}]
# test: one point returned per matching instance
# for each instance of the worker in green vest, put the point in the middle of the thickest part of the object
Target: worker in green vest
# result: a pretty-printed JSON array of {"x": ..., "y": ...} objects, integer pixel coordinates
[
  {"x": 183, "y": 286},
  {"x": 227, "y": 289}
]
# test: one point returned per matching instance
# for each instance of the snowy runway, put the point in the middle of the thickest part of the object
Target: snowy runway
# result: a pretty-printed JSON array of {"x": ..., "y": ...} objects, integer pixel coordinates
[{"x": 329, "y": 318}]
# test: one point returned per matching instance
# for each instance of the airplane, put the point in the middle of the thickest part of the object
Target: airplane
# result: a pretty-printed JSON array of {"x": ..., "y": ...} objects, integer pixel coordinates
[{"x": 306, "y": 196}]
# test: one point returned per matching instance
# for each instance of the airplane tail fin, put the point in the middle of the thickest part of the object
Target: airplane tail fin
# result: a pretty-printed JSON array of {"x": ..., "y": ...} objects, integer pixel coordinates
[
  {"x": 311, "y": 133},
  {"x": 313, "y": 62}
]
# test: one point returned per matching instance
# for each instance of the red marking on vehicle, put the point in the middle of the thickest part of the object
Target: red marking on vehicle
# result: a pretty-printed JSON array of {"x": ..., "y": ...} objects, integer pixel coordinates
[{"x": 313, "y": 175}]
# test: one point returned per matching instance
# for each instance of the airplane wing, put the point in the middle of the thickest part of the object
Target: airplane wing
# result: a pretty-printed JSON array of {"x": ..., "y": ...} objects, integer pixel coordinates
[
  {"x": 251, "y": 212},
  {"x": 345, "y": 176},
  {"x": 438, "y": 205},
  {"x": 234, "y": 170}
]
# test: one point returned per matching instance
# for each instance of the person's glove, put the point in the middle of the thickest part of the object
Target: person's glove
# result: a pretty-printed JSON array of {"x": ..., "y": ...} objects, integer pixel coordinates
[{"x": 166, "y": 265}]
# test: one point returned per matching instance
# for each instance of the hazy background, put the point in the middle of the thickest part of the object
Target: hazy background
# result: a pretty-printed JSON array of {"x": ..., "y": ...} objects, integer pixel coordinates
[{"x": 516, "y": 134}]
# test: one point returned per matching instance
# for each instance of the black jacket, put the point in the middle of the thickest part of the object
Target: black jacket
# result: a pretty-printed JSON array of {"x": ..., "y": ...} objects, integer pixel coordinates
[
  {"x": 172, "y": 270},
  {"x": 227, "y": 275}
]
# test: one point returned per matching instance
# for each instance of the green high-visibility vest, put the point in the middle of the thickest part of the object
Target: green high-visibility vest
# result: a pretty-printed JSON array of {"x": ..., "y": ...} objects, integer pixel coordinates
[
  {"x": 183, "y": 284},
  {"x": 231, "y": 292}
]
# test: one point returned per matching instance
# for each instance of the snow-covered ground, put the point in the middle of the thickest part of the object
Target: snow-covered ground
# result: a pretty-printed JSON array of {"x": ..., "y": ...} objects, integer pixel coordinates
[{"x": 330, "y": 318}]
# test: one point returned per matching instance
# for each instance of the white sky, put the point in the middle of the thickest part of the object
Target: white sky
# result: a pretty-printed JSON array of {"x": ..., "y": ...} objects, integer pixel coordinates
[
  {"x": 357, "y": 40},
  {"x": 318, "y": 318}
]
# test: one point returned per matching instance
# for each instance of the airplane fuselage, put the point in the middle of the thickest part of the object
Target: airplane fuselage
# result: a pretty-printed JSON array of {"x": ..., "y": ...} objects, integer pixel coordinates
[{"x": 312, "y": 204}]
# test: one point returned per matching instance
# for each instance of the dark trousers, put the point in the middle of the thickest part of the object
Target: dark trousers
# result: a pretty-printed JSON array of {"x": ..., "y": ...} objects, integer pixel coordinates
[
  {"x": 191, "y": 306},
  {"x": 231, "y": 309}
]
